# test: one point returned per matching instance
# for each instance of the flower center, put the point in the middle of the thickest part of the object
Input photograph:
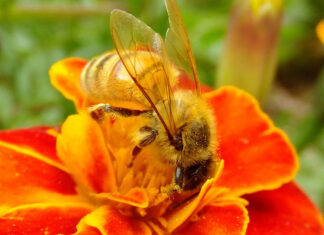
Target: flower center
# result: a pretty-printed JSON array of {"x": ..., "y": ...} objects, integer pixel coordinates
[{"x": 147, "y": 172}]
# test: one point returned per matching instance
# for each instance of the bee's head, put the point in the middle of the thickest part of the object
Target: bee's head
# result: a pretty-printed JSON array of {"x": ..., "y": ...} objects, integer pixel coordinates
[
  {"x": 190, "y": 177},
  {"x": 196, "y": 161}
]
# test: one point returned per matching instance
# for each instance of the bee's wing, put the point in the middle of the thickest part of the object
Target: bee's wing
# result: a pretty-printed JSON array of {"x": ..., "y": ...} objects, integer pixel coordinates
[
  {"x": 131, "y": 37},
  {"x": 178, "y": 45}
]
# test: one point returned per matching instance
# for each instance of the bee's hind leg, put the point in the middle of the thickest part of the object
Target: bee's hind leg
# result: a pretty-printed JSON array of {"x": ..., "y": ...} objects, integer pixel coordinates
[
  {"x": 98, "y": 111},
  {"x": 150, "y": 135}
]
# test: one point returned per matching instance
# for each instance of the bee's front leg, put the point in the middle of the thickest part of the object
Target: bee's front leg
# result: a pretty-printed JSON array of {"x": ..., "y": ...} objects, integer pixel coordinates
[
  {"x": 148, "y": 135},
  {"x": 177, "y": 184},
  {"x": 98, "y": 111},
  {"x": 178, "y": 176}
]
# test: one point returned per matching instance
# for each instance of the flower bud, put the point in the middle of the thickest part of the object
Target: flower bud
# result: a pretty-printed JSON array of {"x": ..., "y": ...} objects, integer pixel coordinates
[
  {"x": 250, "y": 52},
  {"x": 320, "y": 31}
]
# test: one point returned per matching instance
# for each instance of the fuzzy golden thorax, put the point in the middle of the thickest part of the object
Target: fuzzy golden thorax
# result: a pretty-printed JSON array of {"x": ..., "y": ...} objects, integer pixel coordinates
[{"x": 194, "y": 152}]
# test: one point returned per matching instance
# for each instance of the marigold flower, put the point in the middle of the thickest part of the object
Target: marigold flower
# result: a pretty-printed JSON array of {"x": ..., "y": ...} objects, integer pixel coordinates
[{"x": 74, "y": 180}]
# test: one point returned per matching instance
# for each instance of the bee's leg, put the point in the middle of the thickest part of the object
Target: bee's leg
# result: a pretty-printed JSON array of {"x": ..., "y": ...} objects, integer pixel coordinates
[
  {"x": 98, "y": 111},
  {"x": 192, "y": 196},
  {"x": 178, "y": 176},
  {"x": 177, "y": 184},
  {"x": 150, "y": 135}
]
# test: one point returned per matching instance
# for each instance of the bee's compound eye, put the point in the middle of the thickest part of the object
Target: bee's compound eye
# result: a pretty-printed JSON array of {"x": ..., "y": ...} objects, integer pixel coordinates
[
  {"x": 178, "y": 178},
  {"x": 195, "y": 175}
]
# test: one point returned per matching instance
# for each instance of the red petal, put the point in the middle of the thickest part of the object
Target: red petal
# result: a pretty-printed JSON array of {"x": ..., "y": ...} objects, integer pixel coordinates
[
  {"x": 185, "y": 83},
  {"x": 218, "y": 220},
  {"x": 256, "y": 154},
  {"x": 42, "y": 219},
  {"x": 37, "y": 139},
  {"x": 286, "y": 210},
  {"x": 25, "y": 178},
  {"x": 110, "y": 221}
]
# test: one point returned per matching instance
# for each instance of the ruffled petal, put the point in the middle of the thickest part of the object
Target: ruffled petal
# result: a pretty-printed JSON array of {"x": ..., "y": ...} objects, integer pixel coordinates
[
  {"x": 256, "y": 155},
  {"x": 186, "y": 209},
  {"x": 179, "y": 216},
  {"x": 65, "y": 77},
  {"x": 135, "y": 197},
  {"x": 81, "y": 146},
  {"x": 40, "y": 140},
  {"x": 218, "y": 220},
  {"x": 110, "y": 221},
  {"x": 286, "y": 210},
  {"x": 40, "y": 219}
]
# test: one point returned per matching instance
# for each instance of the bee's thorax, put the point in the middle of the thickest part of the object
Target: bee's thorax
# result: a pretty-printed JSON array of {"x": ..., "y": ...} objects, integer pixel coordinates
[{"x": 195, "y": 133}]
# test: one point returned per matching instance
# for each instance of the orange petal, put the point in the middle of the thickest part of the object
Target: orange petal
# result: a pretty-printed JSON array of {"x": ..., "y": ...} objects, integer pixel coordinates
[
  {"x": 286, "y": 210},
  {"x": 87, "y": 230},
  {"x": 181, "y": 214},
  {"x": 256, "y": 155},
  {"x": 81, "y": 146},
  {"x": 26, "y": 179},
  {"x": 207, "y": 194},
  {"x": 65, "y": 77},
  {"x": 135, "y": 197},
  {"x": 110, "y": 221},
  {"x": 39, "y": 219},
  {"x": 218, "y": 220},
  {"x": 35, "y": 139}
]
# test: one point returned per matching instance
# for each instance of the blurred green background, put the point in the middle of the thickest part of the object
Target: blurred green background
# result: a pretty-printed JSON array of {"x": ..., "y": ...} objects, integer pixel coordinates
[{"x": 34, "y": 34}]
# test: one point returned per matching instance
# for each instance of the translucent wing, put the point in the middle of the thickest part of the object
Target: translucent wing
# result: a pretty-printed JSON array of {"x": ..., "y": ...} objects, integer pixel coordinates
[
  {"x": 178, "y": 45},
  {"x": 143, "y": 54}
]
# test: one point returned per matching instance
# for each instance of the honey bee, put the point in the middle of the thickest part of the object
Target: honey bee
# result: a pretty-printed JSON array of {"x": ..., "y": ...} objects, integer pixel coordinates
[{"x": 140, "y": 79}]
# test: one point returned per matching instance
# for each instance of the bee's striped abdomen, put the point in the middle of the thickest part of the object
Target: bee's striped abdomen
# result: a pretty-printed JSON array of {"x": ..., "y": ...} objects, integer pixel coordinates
[
  {"x": 105, "y": 79},
  {"x": 95, "y": 76}
]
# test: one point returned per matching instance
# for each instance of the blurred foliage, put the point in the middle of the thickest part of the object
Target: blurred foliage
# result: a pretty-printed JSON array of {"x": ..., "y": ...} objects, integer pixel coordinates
[{"x": 34, "y": 34}]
